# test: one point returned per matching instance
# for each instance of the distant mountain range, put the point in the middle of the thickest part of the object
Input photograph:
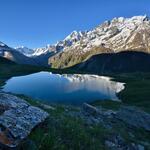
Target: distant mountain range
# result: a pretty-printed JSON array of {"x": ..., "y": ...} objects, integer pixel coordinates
[{"x": 111, "y": 37}]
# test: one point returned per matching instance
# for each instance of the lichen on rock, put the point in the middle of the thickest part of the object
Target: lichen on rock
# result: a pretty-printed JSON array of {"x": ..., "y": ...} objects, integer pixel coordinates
[{"x": 17, "y": 119}]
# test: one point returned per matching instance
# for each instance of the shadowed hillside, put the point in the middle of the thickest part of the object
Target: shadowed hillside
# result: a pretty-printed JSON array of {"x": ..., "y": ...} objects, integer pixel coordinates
[
  {"x": 5, "y": 61},
  {"x": 122, "y": 62}
]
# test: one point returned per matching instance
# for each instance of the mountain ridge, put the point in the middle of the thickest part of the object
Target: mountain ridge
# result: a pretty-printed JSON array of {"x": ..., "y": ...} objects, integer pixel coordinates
[
  {"x": 121, "y": 62},
  {"x": 119, "y": 34}
]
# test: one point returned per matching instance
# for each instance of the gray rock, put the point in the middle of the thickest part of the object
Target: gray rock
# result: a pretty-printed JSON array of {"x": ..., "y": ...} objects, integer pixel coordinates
[
  {"x": 93, "y": 115},
  {"x": 93, "y": 111},
  {"x": 46, "y": 106},
  {"x": 140, "y": 147},
  {"x": 18, "y": 119},
  {"x": 90, "y": 110},
  {"x": 134, "y": 117},
  {"x": 116, "y": 142}
]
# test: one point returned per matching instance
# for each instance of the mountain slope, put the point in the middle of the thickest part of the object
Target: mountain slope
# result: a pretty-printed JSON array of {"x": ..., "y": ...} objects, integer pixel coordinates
[
  {"x": 120, "y": 34},
  {"x": 122, "y": 62},
  {"x": 61, "y": 45},
  {"x": 24, "y": 50},
  {"x": 5, "y": 61},
  {"x": 15, "y": 56},
  {"x": 117, "y": 35}
]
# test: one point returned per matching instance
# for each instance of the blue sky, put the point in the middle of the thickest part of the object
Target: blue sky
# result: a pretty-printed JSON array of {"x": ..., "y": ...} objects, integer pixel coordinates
[{"x": 35, "y": 23}]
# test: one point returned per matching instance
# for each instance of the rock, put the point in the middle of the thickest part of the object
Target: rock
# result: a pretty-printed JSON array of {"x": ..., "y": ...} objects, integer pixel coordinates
[
  {"x": 46, "y": 106},
  {"x": 93, "y": 115},
  {"x": 134, "y": 117},
  {"x": 91, "y": 110},
  {"x": 18, "y": 119},
  {"x": 140, "y": 147},
  {"x": 116, "y": 142}
]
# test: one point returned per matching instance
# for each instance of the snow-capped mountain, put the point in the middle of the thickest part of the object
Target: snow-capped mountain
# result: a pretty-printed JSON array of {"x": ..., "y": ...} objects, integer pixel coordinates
[
  {"x": 117, "y": 35},
  {"x": 3, "y": 47},
  {"x": 2, "y": 44},
  {"x": 120, "y": 33},
  {"x": 61, "y": 45},
  {"x": 14, "y": 55},
  {"x": 24, "y": 50},
  {"x": 44, "y": 50}
]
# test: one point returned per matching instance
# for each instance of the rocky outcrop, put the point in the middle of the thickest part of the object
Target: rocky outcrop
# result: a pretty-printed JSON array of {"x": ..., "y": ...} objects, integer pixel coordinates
[
  {"x": 127, "y": 117},
  {"x": 130, "y": 115},
  {"x": 92, "y": 115},
  {"x": 134, "y": 117},
  {"x": 17, "y": 119},
  {"x": 97, "y": 112},
  {"x": 116, "y": 142}
]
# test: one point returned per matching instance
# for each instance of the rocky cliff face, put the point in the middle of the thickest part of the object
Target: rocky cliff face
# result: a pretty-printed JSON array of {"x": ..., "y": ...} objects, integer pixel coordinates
[{"x": 120, "y": 34}]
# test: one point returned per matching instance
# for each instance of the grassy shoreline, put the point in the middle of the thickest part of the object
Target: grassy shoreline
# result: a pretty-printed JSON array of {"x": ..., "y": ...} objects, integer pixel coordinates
[
  {"x": 137, "y": 85},
  {"x": 62, "y": 132}
]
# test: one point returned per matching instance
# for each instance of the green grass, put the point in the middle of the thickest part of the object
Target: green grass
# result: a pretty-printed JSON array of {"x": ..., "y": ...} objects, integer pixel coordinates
[
  {"x": 107, "y": 104},
  {"x": 62, "y": 132},
  {"x": 137, "y": 90}
]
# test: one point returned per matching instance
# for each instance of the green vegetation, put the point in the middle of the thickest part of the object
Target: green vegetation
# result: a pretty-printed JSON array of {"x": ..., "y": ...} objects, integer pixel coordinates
[
  {"x": 137, "y": 90},
  {"x": 62, "y": 131},
  {"x": 107, "y": 104},
  {"x": 10, "y": 69}
]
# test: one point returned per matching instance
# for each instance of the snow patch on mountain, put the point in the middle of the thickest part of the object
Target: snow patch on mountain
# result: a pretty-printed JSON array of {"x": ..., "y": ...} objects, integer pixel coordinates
[
  {"x": 118, "y": 34},
  {"x": 24, "y": 50},
  {"x": 2, "y": 44},
  {"x": 71, "y": 39}
]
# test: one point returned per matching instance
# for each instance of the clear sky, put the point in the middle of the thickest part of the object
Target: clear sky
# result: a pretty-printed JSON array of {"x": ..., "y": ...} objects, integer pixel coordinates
[{"x": 35, "y": 23}]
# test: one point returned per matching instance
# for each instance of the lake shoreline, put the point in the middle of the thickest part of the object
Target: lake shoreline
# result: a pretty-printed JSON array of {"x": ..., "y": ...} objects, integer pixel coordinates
[
  {"x": 72, "y": 89},
  {"x": 66, "y": 132}
]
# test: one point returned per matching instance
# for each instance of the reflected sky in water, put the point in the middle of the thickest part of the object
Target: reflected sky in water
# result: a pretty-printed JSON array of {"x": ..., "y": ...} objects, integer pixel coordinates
[{"x": 71, "y": 89}]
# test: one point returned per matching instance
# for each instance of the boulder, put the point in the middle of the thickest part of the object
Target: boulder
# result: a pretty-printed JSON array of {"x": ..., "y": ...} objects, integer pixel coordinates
[
  {"x": 91, "y": 110},
  {"x": 97, "y": 112},
  {"x": 17, "y": 119}
]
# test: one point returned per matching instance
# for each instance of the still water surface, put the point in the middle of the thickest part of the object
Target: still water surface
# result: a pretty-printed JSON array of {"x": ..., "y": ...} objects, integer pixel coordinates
[{"x": 67, "y": 88}]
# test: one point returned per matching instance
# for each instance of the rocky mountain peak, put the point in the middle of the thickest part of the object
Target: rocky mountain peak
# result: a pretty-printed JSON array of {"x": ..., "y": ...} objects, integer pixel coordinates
[
  {"x": 119, "y": 34},
  {"x": 25, "y": 50},
  {"x": 75, "y": 35},
  {"x": 2, "y": 44}
]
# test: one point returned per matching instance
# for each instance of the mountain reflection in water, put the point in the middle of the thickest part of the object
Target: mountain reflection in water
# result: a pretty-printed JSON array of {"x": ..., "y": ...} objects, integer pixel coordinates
[{"x": 66, "y": 88}]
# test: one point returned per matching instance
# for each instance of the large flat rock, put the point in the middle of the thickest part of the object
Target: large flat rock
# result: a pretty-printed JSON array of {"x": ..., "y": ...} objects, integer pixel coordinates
[{"x": 17, "y": 119}]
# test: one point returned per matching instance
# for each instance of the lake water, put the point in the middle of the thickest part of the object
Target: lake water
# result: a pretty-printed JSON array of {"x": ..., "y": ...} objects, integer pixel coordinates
[{"x": 67, "y": 88}]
